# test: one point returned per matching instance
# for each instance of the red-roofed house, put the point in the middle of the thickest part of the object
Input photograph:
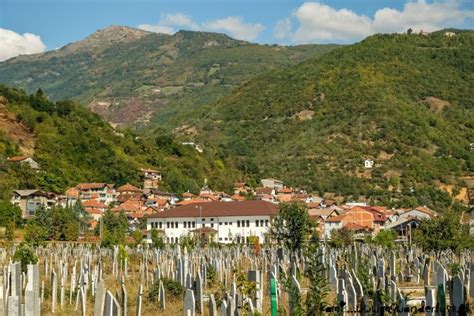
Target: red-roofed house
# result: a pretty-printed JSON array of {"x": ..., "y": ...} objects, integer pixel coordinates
[
  {"x": 103, "y": 192},
  {"x": 25, "y": 159},
  {"x": 94, "y": 208}
]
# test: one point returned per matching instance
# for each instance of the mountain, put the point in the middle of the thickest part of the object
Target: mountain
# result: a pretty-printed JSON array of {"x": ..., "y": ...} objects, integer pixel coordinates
[
  {"x": 133, "y": 77},
  {"x": 403, "y": 101},
  {"x": 72, "y": 144}
]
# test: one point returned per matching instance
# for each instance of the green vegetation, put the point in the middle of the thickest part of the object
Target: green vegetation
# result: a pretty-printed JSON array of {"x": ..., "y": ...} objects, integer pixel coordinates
[
  {"x": 168, "y": 75},
  {"x": 73, "y": 145},
  {"x": 25, "y": 255},
  {"x": 386, "y": 239},
  {"x": 292, "y": 227},
  {"x": 403, "y": 101},
  {"x": 442, "y": 233}
]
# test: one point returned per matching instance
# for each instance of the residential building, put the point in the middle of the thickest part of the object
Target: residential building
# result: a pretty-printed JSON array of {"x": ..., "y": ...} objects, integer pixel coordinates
[
  {"x": 222, "y": 222},
  {"x": 272, "y": 183},
  {"x": 25, "y": 159},
  {"x": 94, "y": 208},
  {"x": 151, "y": 178},
  {"x": 30, "y": 200},
  {"x": 103, "y": 192}
]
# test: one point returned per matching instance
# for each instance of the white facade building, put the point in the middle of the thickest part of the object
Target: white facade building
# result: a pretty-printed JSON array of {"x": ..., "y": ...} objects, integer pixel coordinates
[{"x": 222, "y": 222}]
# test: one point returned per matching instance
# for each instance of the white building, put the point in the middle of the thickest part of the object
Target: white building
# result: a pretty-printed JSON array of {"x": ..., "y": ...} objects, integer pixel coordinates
[
  {"x": 222, "y": 222},
  {"x": 272, "y": 183},
  {"x": 368, "y": 164},
  {"x": 102, "y": 192}
]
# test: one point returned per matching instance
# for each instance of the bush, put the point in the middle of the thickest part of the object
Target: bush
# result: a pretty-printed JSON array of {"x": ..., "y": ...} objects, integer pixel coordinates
[{"x": 25, "y": 255}]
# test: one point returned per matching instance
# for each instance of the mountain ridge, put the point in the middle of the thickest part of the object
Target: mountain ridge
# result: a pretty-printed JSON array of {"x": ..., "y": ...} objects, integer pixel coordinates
[{"x": 145, "y": 78}]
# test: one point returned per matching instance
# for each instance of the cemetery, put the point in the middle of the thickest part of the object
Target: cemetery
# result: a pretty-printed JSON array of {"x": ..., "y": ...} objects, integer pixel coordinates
[
  {"x": 84, "y": 280},
  {"x": 293, "y": 273}
]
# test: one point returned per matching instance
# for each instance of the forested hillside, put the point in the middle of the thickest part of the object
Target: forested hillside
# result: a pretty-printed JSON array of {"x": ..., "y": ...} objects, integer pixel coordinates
[
  {"x": 73, "y": 145},
  {"x": 142, "y": 79},
  {"x": 403, "y": 101}
]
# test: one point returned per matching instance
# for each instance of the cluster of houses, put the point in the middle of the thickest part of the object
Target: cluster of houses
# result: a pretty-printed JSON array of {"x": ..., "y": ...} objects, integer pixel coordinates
[{"x": 219, "y": 217}]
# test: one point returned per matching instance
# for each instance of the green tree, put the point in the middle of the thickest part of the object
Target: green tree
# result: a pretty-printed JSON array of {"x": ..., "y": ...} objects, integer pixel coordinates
[
  {"x": 316, "y": 275},
  {"x": 10, "y": 231},
  {"x": 442, "y": 233},
  {"x": 341, "y": 238},
  {"x": 10, "y": 213},
  {"x": 35, "y": 234},
  {"x": 157, "y": 240},
  {"x": 386, "y": 238},
  {"x": 137, "y": 236},
  {"x": 292, "y": 226},
  {"x": 25, "y": 255}
]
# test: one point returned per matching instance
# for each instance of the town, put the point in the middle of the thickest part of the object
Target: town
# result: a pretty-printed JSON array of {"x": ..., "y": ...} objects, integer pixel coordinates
[{"x": 218, "y": 217}]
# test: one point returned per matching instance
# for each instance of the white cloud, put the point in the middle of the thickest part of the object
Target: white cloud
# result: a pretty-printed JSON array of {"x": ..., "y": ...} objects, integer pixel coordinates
[
  {"x": 282, "y": 29},
  {"x": 13, "y": 44},
  {"x": 320, "y": 22},
  {"x": 179, "y": 20},
  {"x": 157, "y": 28},
  {"x": 234, "y": 26}
]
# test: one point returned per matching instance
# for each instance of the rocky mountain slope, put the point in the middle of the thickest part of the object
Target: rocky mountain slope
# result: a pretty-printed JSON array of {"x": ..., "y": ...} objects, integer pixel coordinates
[{"x": 137, "y": 78}]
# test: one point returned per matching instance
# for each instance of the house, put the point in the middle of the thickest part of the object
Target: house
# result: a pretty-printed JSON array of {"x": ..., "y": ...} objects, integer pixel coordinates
[
  {"x": 128, "y": 189},
  {"x": 272, "y": 183},
  {"x": 241, "y": 188},
  {"x": 30, "y": 200},
  {"x": 188, "y": 196},
  {"x": 368, "y": 164},
  {"x": 319, "y": 216},
  {"x": 70, "y": 198},
  {"x": 103, "y": 192},
  {"x": 151, "y": 178},
  {"x": 449, "y": 34},
  {"x": 25, "y": 159},
  {"x": 367, "y": 217},
  {"x": 94, "y": 208},
  {"x": 223, "y": 222},
  {"x": 284, "y": 195},
  {"x": 405, "y": 221}
]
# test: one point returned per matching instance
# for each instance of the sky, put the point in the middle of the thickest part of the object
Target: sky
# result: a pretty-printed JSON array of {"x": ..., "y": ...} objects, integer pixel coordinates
[{"x": 33, "y": 26}]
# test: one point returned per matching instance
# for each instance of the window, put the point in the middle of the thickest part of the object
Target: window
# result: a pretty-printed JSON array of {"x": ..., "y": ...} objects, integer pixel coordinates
[
  {"x": 172, "y": 224},
  {"x": 212, "y": 224},
  {"x": 167, "y": 225},
  {"x": 203, "y": 219},
  {"x": 220, "y": 238},
  {"x": 176, "y": 224},
  {"x": 212, "y": 219},
  {"x": 238, "y": 223},
  {"x": 266, "y": 223},
  {"x": 226, "y": 238},
  {"x": 261, "y": 223},
  {"x": 161, "y": 226},
  {"x": 256, "y": 223},
  {"x": 194, "y": 224},
  {"x": 248, "y": 223},
  {"x": 184, "y": 225}
]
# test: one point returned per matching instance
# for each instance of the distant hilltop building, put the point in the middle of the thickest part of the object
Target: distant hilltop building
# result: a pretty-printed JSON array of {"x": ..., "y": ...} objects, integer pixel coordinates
[
  {"x": 368, "y": 164},
  {"x": 449, "y": 34},
  {"x": 151, "y": 178},
  {"x": 25, "y": 159},
  {"x": 272, "y": 183}
]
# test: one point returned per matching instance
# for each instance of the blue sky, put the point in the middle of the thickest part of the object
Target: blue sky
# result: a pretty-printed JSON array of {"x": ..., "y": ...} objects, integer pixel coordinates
[{"x": 50, "y": 24}]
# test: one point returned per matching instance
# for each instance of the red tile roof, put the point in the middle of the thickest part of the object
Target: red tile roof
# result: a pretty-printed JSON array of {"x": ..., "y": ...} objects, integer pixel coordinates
[
  {"x": 128, "y": 188},
  {"x": 215, "y": 209},
  {"x": 354, "y": 226},
  {"x": 336, "y": 219},
  {"x": 285, "y": 190},
  {"x": 88, "y": 186},
  {"x": 94, "y": 204},
  {"x": 18, "y": 158},
  {"x": 194, "y": 201}
]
